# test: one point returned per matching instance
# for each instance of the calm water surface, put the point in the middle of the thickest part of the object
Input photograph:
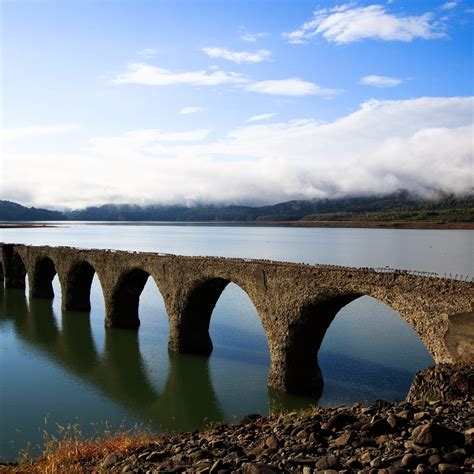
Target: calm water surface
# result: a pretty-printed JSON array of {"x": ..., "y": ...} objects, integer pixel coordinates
[{"x": 65, "y": 367}]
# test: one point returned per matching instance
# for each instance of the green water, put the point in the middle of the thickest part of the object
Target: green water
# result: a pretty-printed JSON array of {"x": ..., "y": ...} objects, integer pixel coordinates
[{"x": 65, "y": 367}]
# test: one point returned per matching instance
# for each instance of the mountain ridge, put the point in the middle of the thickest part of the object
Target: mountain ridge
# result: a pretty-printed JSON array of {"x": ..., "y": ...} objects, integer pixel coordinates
[{"x": 396, "y": 206}]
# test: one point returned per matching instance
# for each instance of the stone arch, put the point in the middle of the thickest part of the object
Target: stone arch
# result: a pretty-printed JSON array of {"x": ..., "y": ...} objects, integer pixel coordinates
[
  {"x": 295, "y": 366},
  {"x": 122, "y": 308},
  {"x": 381, "y": 312},
  {"x": 77, "y": 287},
  {"x": 44, "y": 271},
  {"x": 410, "y": 308},
  {"x": 190, "y": 333}
]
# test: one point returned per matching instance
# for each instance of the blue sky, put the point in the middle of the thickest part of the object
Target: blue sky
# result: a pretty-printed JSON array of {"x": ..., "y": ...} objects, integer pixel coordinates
[{"x": 233, "y": 101}]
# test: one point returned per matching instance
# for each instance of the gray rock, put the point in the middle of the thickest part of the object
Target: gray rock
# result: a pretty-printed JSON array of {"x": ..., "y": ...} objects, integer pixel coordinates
[
  {"x": 409, "y": 460},
  {"x": 435, "y": 459},
  {"x": 379, "y": 427},
  {"x": 444, "y": 467},
  {"x": 156, "y": 456},
  {"x": 354, "y": 463},
  {"x": 395, "y": 470},
  {"x": 469, "y": 461},
  {"x": 455, "y": 457},
  {"x": 376, "y": 462},
  {"x": 432, "y": 434},
  {"x": 272, "y": 442},
  {"x": 327, "y": 462},
  {"x": 216, "y": 467},
  {"x": 251, "y": 468},
  {"x": 340, "y": 420},
  {"x": 422, "y": 468},
  {"x": 345, "y": 439}
]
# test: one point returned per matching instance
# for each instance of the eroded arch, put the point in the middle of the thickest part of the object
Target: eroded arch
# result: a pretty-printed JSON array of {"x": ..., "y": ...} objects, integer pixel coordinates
[
  {"x": 372, "y": 349},
  {"x": 190, "y": 329},
  {"x": 295, "y": 366},
  {"x": 122, "y": 310}
]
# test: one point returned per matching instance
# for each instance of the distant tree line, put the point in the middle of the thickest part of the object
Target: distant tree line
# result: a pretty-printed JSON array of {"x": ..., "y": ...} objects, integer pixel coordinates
[{"x": 400, "y": 206}]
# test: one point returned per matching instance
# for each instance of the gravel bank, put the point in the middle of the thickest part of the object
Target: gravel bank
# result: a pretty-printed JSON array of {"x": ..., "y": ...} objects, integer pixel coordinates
[{"x": 383, "y": 438}]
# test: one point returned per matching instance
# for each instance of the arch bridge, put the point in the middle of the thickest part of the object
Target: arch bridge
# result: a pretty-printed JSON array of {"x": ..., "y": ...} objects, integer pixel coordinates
[{"x": 295, "y": 302}]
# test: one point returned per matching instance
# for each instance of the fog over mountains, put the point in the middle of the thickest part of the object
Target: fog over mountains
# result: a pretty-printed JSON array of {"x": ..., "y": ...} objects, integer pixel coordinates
[
  {"x": 396, "y": 206},
  {"x": 423, "y": 145}
]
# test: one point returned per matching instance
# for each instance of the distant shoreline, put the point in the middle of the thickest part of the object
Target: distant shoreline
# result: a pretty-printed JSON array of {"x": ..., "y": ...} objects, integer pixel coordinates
[
  {"x": 25, "y": 226},
  {"x": 321, "y": 224},
  {"x": 386, "y": 224}
]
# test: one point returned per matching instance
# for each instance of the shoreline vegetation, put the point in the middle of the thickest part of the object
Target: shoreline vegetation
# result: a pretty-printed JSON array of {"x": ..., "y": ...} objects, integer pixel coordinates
[
  {"x": 20, "y": 225},
  {"x": 357, "y": 224}
]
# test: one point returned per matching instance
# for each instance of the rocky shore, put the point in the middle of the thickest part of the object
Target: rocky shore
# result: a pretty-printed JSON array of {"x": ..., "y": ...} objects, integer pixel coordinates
[{"x": 384, "y": 438}]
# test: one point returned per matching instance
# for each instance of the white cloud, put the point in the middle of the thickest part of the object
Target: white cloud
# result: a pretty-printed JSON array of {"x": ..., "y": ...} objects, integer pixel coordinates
[
  {"x": 449, "y": 5},
  {"x": 238, "y": 56},
  {"x": 380, "y": 81},
  {"x": 13, "y": 134},
  {"x": 147, "y": 53},
  {"x": 258, "y": 118},
  {"x": 419, "y": 144},
  {"x": 143, "y": 140},
  {"x": 293, "y": 86},
  {"x": 251, "y": 37},
  {"x": 190, "y": 110},
  {"x": 144, "y": 74},
  {"x": 348, "y": 23}
]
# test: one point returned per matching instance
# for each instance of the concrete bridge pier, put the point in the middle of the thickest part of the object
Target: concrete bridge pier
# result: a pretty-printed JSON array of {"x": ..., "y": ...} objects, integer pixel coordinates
[
  {"x": 121, "y": 302},
  {"x": 190, "y": 320},
  {"x": 41, "y": 283},
  {"x": 76, "y": 287},
  {"x": 187, "y": 341},
  {"x": 294, "y": 371},
  {"x": 14, "y": 268},
  {"x": 294, "y": 346}
]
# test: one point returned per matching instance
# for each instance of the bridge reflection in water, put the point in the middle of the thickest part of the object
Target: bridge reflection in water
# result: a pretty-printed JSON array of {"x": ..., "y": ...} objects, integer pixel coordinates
[{"x": 187, "y": 401}]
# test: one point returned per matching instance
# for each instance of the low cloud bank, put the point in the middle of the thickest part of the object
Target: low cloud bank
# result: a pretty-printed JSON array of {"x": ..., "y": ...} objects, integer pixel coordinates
[{"x": 423, "y": 145}]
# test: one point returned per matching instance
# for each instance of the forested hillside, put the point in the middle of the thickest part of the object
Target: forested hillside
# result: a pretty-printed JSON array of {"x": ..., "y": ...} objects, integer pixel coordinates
[{"x": 400, "y": 206}]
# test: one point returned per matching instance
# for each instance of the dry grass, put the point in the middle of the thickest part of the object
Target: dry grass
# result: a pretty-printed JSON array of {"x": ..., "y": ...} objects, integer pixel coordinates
[{"x": 69, "y": 452}]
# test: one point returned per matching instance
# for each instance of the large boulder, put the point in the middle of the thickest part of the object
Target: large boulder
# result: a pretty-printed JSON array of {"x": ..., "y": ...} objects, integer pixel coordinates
[
  {"x": 433, "y": 435},
  {"x": 447, "y": 382}
]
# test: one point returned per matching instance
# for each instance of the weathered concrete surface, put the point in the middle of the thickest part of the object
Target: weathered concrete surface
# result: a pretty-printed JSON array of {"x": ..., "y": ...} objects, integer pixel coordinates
[{"x": 296, "y": 302}]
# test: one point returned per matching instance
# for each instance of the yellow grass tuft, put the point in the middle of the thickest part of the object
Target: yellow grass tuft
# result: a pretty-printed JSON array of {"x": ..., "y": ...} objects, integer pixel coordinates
[{"x": 69, "y": 452}]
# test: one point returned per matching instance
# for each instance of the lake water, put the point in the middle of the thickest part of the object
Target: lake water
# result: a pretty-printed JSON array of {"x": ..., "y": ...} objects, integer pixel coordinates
[{"x": 64, "y": 367}]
